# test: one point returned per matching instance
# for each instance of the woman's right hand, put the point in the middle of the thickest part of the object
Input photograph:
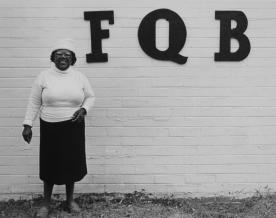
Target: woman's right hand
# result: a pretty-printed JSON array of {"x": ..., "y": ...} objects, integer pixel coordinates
[{"x": 27, "y": 133}]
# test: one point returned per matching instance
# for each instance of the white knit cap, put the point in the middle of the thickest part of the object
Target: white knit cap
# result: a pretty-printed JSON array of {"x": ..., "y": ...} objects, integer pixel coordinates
[{"x": 65, "y": 44}]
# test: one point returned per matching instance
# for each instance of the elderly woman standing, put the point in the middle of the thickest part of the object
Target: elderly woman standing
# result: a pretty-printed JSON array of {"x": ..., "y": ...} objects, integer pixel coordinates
[{"x": 62, "y": 97}]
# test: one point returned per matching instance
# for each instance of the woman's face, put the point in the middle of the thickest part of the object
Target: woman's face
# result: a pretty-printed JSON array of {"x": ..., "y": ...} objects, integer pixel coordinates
[{"x": 63, "y": 59}]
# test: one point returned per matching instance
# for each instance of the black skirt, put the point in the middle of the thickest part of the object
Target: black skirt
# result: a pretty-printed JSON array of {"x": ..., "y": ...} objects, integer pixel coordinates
[{"x": 62, "y": 157}]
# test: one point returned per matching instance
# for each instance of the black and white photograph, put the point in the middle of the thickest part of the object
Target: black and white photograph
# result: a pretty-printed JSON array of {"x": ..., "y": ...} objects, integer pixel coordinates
[{"x": 139, "y": 109}]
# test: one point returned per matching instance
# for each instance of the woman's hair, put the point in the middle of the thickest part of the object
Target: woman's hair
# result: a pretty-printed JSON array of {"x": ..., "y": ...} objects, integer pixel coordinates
[{"x": 74, "y": 59}]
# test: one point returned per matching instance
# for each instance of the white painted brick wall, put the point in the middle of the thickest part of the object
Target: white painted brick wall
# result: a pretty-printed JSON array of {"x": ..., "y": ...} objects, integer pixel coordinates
[{"x": 202, "y": 128}]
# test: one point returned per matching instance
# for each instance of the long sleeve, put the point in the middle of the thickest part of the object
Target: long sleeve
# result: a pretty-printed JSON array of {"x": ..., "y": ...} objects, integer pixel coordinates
[
  {"x": 89, "y": 96},
  {"x": 34, "y": 102}
]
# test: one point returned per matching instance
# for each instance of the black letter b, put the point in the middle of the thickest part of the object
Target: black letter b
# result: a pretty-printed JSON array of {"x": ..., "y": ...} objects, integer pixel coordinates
[{"x": 226, "y": 33}]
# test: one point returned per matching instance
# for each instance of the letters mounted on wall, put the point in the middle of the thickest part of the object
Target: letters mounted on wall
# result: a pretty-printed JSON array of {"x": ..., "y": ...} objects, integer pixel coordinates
[{"x": 177, "y": 35}]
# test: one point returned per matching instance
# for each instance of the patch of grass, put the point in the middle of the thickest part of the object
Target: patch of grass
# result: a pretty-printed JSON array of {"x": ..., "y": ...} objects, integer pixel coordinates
[{"x": 142, "y": 204}]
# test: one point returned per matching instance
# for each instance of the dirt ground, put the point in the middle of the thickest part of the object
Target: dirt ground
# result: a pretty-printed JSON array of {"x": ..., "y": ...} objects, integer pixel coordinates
[{"x": 144, "y": 205}]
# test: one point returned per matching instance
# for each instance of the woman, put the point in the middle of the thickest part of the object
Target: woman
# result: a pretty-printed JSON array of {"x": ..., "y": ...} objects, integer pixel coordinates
[{"x": 63, "y": 96}]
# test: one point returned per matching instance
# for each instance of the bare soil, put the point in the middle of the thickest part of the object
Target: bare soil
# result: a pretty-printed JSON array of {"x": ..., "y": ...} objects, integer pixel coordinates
[{"x": 145, "y": 205}]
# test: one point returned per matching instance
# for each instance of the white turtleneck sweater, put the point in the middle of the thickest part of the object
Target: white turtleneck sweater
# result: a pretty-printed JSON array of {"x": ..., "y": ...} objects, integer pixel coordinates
[{"x": 57, "y": 95}]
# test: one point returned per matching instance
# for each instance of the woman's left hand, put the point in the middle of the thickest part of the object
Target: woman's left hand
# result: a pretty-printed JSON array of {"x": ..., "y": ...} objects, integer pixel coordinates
[{"x": 79, "y": 115}]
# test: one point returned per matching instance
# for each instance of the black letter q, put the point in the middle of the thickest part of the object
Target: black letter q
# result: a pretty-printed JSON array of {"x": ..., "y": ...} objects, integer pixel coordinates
[{"x": 177, "y": 36}]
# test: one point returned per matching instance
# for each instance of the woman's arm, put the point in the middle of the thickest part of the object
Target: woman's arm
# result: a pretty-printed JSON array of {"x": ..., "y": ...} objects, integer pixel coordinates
[
  {"x": 34, "y": 102},
  {"x": 89, "y": 96},
  {"x": 88, "y": 102}
]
